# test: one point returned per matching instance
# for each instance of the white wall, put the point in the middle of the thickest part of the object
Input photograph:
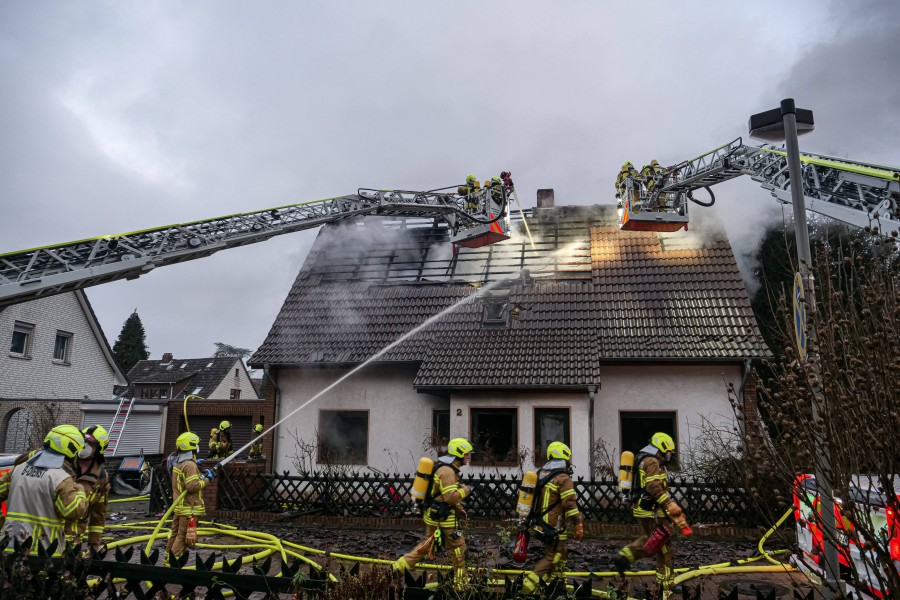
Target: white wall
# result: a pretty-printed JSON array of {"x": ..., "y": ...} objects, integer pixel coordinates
[
  {"x": 694, "y": 392},
  {"x": 399, "y": 418},
  {"x": 231, "y": 381},
  {"x": 88, "y": 372}
]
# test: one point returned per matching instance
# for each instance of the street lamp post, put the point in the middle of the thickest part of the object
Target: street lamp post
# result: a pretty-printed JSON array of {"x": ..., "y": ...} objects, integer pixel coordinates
[{"x": 786, "y": 123}]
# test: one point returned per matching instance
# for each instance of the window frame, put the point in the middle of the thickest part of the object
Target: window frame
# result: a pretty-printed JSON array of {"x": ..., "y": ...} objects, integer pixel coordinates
[
  {"x": 435, "y": 440},
  {"x": 328, "y": 461},
  {"x": 27, "y": 329},
  {"x": 675, "y": 465},
  {"x": 479, "y": 457},
  {"x": 234, "y": 394},
  {"x": 539, "y": 453},
  {"x": 67, "y": 351}
]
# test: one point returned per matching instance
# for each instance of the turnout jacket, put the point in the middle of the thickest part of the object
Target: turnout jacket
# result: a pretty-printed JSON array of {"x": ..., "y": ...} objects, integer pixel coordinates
[
  {"x": 558, "y": 495},
  {"x": 186, "y": 476},
  {"x": 96, "y": 486},
  {"x": 39, "y": 502},
  {"x": 654, "y": 486},
  {"x": 446, "y": 489}
]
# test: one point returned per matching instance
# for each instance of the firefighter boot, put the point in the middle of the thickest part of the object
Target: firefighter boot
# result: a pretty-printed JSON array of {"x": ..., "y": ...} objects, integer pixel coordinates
[{"x": 622, "y": 560}]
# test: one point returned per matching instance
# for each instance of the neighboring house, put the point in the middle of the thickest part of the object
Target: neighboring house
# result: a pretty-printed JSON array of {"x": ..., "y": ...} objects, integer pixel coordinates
[
  {"x": 54, "y": 355},
  {"x": 159, "y": 388},
  {"x": 610, "y": 336}
]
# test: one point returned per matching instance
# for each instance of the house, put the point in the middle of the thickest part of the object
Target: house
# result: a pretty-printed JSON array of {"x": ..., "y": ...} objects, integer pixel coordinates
[
  {"x": 593, "y": 336},
  {"x": 158, "y": 389},
  {"x": 55, "y": 354}
]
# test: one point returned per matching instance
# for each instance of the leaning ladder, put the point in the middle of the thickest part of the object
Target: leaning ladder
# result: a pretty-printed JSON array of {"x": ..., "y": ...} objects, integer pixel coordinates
[{"x": 118, "y": 424}]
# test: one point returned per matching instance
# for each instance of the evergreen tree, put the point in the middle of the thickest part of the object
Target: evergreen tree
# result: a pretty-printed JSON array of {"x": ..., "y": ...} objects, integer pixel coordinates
[
  {"x": 223, "y": 349},
  {"x": 131, "y": 346}
]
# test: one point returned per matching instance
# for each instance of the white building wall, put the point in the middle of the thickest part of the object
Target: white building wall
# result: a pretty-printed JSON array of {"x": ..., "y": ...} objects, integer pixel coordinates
[
  {"x": 231, "y": 381},
  {"x": 399, "y": 417},
  {"x": 695, "y": 392},
  {"x": 88, "y": 372}
]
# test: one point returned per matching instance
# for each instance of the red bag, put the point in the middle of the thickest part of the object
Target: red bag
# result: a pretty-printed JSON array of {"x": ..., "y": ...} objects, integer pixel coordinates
[
  {"x": 657, "y": 540},
  {"x": 520, "y": 554}
]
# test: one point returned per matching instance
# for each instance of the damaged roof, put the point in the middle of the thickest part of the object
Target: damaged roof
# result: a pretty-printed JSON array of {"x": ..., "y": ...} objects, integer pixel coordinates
[
  {"x": 592, "y": 294},
  {"x": 204, "y": 374}
]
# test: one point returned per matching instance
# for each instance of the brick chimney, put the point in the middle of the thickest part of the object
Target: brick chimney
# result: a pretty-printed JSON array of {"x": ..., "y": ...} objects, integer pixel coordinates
[
  {"x": 545, "y": 198},
  {"x": 167, "y": 358}
]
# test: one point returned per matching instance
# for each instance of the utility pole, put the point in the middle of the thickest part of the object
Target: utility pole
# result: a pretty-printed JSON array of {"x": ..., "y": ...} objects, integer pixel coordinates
[{"x": 787, "y": 123}]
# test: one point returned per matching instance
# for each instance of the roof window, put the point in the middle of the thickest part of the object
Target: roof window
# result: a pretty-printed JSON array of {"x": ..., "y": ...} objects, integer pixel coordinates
[{"x": 495, "y": 315}]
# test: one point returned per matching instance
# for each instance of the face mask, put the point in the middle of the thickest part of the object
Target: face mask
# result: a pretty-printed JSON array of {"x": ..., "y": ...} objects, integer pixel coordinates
[{"x": 86, "y": 452}]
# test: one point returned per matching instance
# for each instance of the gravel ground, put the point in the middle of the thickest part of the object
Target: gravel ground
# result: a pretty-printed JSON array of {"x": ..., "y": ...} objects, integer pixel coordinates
[{"x": 487, "y": 549}]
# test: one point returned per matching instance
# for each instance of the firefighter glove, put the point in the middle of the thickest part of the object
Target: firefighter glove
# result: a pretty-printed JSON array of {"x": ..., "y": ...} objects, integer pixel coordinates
[
  {"x": 579, "y": 532},
  {"x": 674, "y": 510},
  {"x": 209, "y": 474}
]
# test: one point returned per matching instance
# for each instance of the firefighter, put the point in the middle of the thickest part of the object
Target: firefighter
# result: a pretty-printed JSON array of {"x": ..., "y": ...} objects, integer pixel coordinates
[
  {"x": 186, "y": 477},
  {"x": 554, "y": 511},
  {"x": 256, "y": 448},
  {"x": 497, "y": 192},
  {"x": 626, "y": 171},
  {"x": 470, "y": 190},
  {"x": 652, "y": 507},
  {"x": 213, "y": 443},
  {"x": 223, "y": 439},
  {"x": 42, "y": 494},
  {"x": 650, "y": 173},
  {"x": 443, "y": 512},
  {"x": 89, "y": 472}
]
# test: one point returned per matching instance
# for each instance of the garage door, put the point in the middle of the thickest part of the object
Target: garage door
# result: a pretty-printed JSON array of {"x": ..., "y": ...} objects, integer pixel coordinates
[
  {"x": 240, "y": 431},
  {"x": 141, "y": 435}
]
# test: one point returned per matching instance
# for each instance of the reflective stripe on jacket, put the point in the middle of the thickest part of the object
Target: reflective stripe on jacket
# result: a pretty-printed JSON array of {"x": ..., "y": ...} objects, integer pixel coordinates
[
  {"x": 559, "y": 493},
  {"x": 39, "y": 501},
  {"x": 96, "y": 487},
  {"x": 446, "y": 488},
  {"x": 186, "y": 476},
  {"x": 655, "y": 488}
]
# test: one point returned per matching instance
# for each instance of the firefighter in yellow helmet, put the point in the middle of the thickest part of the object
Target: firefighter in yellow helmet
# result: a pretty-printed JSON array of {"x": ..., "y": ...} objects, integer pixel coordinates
[
  {"x": 187, "y": 480},
  {"x": 41, "y": 493},
  {"x": 497, "y": 192},
  {"x": 223, "y": 440},
  {"x": 554, "y": 512},
  {"x": 89, "y": 472},
  {"x": 213, "y": 443},
  {"x": 443, "y": 510},
  {"x": 627, "y": 170},
  {"x": 255, "y": 453},
  {"x": 470, "y": 190},
  {"x": 650, "y": 173},
  {"x": 652, "y": 507}
]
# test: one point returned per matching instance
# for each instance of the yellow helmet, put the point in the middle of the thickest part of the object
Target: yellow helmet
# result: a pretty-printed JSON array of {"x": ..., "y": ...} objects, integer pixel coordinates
[
  {"x": 224, "y": 425},
  {"x": 213, "y": 432},
  {"x": 470, "y": 178},
  {"x": 187, "y": 442},
  {"x": 98, "y": 434},
  {"x": 459, "y": 447},
  {"x": 495, "y": 179},
  {"x": 258, "y": 428},
  {"x": 559, "y": 450},
  {"x": 654, "y": 162},
  {"x": 65, "y": 439},
  {"x": 663, "y": 442}
]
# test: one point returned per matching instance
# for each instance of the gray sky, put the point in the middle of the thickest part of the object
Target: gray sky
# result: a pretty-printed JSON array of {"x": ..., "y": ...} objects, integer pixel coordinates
[{"x": 121, "y": 116}]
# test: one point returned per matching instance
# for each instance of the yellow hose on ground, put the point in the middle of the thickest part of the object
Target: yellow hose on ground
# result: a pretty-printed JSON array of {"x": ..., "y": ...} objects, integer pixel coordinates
[{"x": 763, "y": 539}]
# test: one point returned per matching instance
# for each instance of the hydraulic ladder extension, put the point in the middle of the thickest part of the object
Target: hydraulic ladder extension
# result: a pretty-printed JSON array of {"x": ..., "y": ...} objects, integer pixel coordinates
[
  {"x": 120, "y": 419},
  {"x": 861, "y": 194},
  {"x": 58, "y": 268}
]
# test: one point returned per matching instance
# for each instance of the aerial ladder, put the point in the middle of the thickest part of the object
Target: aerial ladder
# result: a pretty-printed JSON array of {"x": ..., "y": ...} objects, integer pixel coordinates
[
  {"x": 475, "y": 219},
  {"x": 858, "y": 193}
]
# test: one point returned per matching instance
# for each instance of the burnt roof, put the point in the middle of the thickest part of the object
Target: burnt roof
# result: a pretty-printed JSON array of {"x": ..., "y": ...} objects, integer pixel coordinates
[{"x": 595, "y": 294}]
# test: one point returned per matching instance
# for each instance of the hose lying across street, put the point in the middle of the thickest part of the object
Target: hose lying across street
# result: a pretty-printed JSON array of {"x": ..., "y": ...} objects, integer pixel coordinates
[{"x": 267, "y": 544}]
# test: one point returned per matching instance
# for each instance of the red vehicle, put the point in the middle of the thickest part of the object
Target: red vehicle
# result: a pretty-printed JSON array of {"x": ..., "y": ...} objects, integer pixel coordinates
[
  {"x": 6, "y": 464},
  {"x": 850, "y": 555}
]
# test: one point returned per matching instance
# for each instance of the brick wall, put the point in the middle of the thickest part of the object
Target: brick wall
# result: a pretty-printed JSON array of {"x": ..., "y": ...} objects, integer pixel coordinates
[
  {"x": 44, "y": 415},
  {"x": 229, "y": 409},
  {"x": 38, "y": 376}
]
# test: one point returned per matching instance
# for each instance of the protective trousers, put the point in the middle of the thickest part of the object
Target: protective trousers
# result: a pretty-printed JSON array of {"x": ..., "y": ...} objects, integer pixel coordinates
[
  {"x": 453, "y": 541},
  {"x": 550, "y": 565},
  {"x": 176, "y": 543},
  {"x": 635, "y": 550}
]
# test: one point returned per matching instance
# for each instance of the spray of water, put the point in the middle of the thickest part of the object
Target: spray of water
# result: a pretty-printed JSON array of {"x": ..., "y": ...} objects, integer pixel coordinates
[{"x": 565, "y": 250}]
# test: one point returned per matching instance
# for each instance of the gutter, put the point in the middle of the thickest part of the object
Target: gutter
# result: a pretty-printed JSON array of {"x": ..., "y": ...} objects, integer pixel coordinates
[
  {"x": 592, "y": 392},
  {"x": 268, "y": 377},
  {"x": 748, "y": 368}
]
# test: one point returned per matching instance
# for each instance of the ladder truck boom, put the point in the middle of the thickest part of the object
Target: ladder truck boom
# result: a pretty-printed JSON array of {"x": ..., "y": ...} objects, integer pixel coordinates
[
  {"x": 54, "y": 269},
  {"x": 854, "y": 192}
]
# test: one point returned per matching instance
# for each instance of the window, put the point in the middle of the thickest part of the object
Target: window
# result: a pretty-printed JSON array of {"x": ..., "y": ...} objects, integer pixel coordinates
[
  {"x": 62, "y": 347},
  {"x": 495, "y": 436},
  {"x": 494, "y": 316},
  {"x": 440, "y": 429},
  {"x": 23, "y": 333},
  {"x": 550, "y": 425},
  {"x": 638, "y": 427},
  {"x": 155, "y": 393},
  {"x": 235, "y": 394},
  {"x": 343, "y": 437}
]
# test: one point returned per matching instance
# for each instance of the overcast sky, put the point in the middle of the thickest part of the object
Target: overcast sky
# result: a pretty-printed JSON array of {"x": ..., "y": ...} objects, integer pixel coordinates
[{"x": 118, "y": 116}]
